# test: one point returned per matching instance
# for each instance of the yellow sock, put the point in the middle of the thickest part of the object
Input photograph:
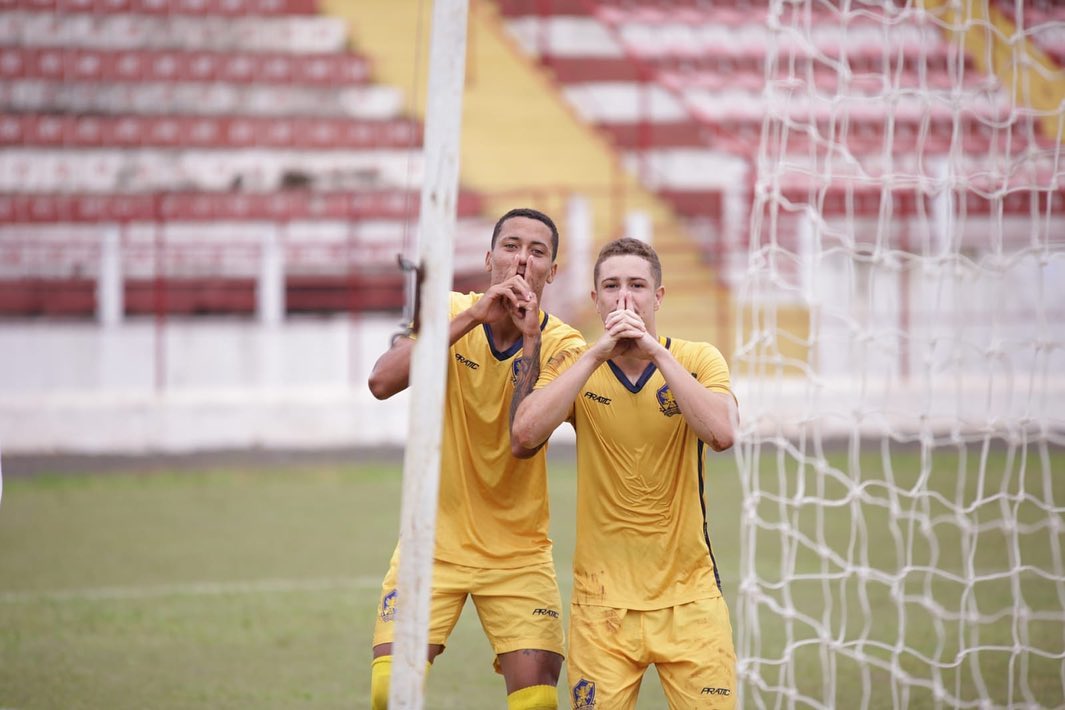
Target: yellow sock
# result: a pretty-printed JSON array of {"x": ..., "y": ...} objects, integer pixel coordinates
[
  {"x": 380, "y": 679},
  {"x": 535, "y": 697},
  {"x": 380, "y": 676}
]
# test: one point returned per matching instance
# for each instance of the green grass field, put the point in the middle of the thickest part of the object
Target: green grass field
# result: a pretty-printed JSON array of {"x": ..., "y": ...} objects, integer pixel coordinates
[
  {"x": 233, "y": 588},
  {"x": 243, "y": 587},
  {"x": 948, "y": 588}
]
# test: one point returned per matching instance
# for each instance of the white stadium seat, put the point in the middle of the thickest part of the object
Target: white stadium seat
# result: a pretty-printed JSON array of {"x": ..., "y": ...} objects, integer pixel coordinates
[
  {"x": 294, "y": 34},
  {"x": 366, "y": 102}
]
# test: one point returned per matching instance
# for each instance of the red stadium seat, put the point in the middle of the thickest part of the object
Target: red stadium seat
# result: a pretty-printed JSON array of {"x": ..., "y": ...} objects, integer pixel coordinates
[
  {"x": 213, "y": 207},
  {"x": 235, "y": 8},
  {"x": 518, "y": 8},
  {"x": 322, "y": 69}
]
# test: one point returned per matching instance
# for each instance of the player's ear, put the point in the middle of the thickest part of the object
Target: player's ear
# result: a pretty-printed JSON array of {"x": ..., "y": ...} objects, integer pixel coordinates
[
  {"x": 660, "y": 293},
  {"x": 551, "y": 272},
  {"x": 488, "y": 261}
]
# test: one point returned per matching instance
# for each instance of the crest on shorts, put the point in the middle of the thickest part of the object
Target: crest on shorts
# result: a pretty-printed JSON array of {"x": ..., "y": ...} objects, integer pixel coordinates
[
  {"x": 584, "y": 695},
  {"x": 667, "y": 403},
  {"x": 388, "y": 606}
]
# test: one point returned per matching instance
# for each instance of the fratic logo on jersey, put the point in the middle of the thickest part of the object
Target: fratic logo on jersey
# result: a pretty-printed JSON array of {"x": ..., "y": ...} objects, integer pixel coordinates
[
  {"x": 716, "y": 691},
  {"x": 667, "y": 403},
  {"x": 584, "y": 695},
  {"x": 597, "y": 398},
  {"x": 545, "y": 612},
  {"x": 388, "y": 607},
  {"x": 466, "y": 361}
]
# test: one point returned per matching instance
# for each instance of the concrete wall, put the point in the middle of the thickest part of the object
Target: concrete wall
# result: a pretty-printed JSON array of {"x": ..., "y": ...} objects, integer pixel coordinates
[
  {"x": 140, "y": 387},
  {"x": 195, "y": 385}
]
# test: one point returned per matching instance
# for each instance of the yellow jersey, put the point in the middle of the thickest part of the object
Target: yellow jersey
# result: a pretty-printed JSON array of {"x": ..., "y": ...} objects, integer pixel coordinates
[
  {"x": 642, "y": 537},
  {"x": 493, "y": 508}
]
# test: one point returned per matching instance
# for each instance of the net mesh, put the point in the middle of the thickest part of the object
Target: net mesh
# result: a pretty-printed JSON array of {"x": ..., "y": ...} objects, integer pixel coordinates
[{"x": 901, "y": 356}]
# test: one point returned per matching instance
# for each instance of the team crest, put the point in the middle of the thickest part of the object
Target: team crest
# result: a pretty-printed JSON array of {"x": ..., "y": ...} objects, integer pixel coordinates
[
  {"x": 667, "y": 403},
  {"x": 388, "y": 607},
  {"x": 515, "y": 369},
  {"x": 584, "y": 695}
]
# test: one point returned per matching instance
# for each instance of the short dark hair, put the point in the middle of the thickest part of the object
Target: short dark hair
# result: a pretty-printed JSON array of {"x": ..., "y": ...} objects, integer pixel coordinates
[
  {"x": 530, "y": 214},
  {"x": 624, "y": 247}
]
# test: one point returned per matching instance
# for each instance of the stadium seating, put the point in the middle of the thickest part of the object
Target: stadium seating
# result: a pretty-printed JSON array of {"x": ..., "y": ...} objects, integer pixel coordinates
[
  {"x": 222, "y": 118},
  {"x": 678, "y": 87},
  {"x": 232, "y": 8},
  {"x": 91, "y": 64},
  {"x": 1041, "y": 20},
  {"x": 197, "y": 131},
  {"x": 54, "y": 130}
]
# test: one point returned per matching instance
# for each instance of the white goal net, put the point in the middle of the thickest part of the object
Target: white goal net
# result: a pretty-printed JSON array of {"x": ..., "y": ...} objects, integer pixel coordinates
[{"x": 901, "y": 354}]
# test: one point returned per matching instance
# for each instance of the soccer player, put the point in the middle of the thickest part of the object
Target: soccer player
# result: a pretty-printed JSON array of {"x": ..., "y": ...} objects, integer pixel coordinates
[
  {"x": 491, "y": 523},
  {"x": 645, "y": 408}
]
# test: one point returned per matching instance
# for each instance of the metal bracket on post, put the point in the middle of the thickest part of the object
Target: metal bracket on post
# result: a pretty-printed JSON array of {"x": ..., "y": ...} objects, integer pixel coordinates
[{"x": 412, "y": 307}]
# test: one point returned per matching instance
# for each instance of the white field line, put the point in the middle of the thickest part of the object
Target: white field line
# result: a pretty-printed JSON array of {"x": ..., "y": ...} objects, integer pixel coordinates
[{"x": 262, "y": 586}]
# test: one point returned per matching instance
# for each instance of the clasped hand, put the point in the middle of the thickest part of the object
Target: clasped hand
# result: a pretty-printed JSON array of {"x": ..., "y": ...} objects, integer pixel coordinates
[
  {"x": 625, "y": 333},
  {"x": 512, "y": 296}
]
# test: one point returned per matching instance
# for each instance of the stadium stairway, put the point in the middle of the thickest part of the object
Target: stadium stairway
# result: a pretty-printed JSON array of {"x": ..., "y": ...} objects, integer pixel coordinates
[
  {"x": 1039, "y": 81},
  {"x": 522, "y": 143}
]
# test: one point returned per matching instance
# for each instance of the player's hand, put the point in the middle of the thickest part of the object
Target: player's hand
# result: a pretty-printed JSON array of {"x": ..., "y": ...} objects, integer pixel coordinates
[
  {"x": 623, "y": 329},
  {"x": 512, "y": 293},
  {"x": 636, "y": 329},
  {"x": 526, "y": 314},
  {"x": 609, "y": 347}
]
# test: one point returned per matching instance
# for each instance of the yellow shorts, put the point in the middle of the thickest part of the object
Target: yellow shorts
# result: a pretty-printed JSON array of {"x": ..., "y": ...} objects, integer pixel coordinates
[
  {"x": 519, "y": 608},
  {"x": 690, "y": 646}
]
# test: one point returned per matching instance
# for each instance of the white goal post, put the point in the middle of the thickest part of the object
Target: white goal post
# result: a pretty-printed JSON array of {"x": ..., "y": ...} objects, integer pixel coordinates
[
  {"x": 428, "y": 379},
  {"x": 900, "y": 358}
]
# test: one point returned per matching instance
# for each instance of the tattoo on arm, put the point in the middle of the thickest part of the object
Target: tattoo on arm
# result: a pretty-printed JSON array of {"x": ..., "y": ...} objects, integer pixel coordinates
[{"x": 528, "y": 373}]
